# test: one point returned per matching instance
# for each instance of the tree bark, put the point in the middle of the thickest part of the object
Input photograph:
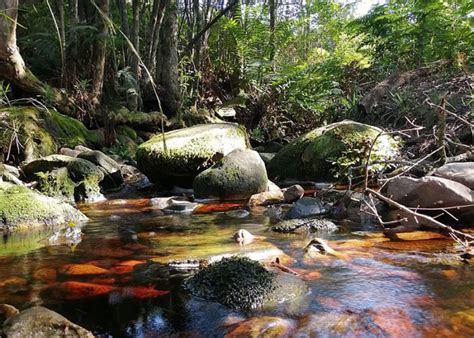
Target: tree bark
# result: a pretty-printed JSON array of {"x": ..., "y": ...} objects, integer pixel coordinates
[
  {"x": 135, "y": 38},
  {"x": 167, "y": 62},
  {"x": 98, "y": 57},
  {"x": 122, "y": 7},
  {"x": 272, "y": 12},
  {"x": 158, "y": 12},
  {"x": 12, "y": 66}
]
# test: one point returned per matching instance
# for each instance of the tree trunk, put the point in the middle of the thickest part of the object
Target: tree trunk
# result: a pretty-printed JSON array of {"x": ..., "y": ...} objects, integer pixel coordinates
[
  {"x": 135, "y": 38},
  {"x": 62, "y": 36},
  {"x": 12, "y": 66},
  {"x": 167, "y": 61},
  {"x": 158, "y": 12},
  {"x": 71, "y": 55},
  {"x": 122, "y": 7},
  {"x": 272, "y": 12},
  {"x": 98, "y": 56}
]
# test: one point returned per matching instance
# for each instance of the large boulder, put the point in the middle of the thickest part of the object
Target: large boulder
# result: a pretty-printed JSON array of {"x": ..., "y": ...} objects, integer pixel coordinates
[
  {"x": 460, "y": 172},
  {"x": 85, "y": 175},
  {"x": 239, "y": 175},
  {"x": 189, "y": 151},
  {"x": 327, "y": 152},
  {"x": 39, "y": 321},
  {"x": 21, "y": 208},
  {"x": 241, "y": 283},
  {"x": 428, "y": 192},
  {"x": 431, "y": 192}
]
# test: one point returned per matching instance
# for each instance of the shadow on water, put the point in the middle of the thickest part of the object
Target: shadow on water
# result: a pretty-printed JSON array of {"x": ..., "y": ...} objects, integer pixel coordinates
[{"x": 116, "y": 281}]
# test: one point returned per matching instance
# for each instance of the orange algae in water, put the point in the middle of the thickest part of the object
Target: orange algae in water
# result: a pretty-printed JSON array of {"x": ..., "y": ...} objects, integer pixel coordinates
[{"x": 73, "y": 290}]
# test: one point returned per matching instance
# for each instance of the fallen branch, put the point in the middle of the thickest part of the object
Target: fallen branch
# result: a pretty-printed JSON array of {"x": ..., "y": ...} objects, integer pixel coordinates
[{"x": 431, "y": 221}]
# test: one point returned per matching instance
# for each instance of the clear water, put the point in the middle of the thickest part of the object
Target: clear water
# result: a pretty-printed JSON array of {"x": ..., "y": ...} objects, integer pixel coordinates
[{"x": 375, "y": 289}]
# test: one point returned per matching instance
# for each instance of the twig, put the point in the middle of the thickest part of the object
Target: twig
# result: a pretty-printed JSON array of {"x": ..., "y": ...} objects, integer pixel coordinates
[
  {"x": 432, "y": 222},
  {"x": 411, "y": 167},
  {"x": 431, "y": 104}
]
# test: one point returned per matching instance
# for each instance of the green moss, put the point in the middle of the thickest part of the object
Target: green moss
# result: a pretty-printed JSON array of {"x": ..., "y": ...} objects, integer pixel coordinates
[
  {"x": 19, "y": 205},
  {"x": 188, "y": 151},
  {"x": 42, "y": 131},
  {"x": 329, "y": 151},
  {"x": 127, "y": 131},
  {"x": 56, "y": 183}
]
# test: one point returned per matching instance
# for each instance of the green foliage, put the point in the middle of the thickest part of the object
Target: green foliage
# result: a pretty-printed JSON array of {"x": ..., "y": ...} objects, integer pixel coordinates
[{"x": 408, "y": 33}]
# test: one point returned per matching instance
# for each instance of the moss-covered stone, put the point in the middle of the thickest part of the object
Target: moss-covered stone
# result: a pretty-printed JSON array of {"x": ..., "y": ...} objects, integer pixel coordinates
[
  {"x": 57, "y": 184},
  {"x": 239, "y": 175},
  {"x": 21, "y": 207},
  {"x": 242, "y": 283},
  {"x": 41, "y": 132},
  {"x": 188, "y": 151},
  {"x": 85, "y": 174},
  {"x": 327, "y": 152}
]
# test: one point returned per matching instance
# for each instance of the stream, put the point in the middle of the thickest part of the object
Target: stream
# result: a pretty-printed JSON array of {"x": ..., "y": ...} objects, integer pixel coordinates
[{"x": 116, "y": 282}]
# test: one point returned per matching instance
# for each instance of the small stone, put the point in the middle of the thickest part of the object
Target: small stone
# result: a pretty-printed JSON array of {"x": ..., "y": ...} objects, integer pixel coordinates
[{"x": 293, "y": 193}]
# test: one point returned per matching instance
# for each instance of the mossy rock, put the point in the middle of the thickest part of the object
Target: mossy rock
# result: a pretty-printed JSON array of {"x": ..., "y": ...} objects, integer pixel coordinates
[
  {"x": 39, "y": 321},
  {"x": 241, "y": 283},
  {"x": 85, "y": 174},
  {"x": 327, "y": 152},
  {"x": 22, "y": 208},
  {"x": 112, "y": 175},
  {"x": 57, "y": 184},
  {"x": 238, "y": 175},
  {"x": 42, "y": 132},
  {"x": 189, "y": 151}
]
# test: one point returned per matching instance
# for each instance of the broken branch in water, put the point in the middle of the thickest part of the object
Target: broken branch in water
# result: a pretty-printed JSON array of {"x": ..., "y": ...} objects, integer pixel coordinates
[{"x": 469, "y": 239}]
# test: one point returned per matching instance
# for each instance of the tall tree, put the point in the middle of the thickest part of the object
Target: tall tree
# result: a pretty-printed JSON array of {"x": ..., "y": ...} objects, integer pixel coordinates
[
  {"x": 12, "y": 66},
  {"x": 99, "y": 53},
  {"x": 167, "y": 77}
]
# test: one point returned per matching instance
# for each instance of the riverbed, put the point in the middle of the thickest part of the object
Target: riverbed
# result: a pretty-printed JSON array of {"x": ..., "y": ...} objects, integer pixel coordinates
[{"x": 117, "y": 282}]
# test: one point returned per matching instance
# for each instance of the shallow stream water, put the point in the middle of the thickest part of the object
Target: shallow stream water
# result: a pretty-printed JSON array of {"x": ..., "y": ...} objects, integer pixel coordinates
[{"x": 116, "y": 282}]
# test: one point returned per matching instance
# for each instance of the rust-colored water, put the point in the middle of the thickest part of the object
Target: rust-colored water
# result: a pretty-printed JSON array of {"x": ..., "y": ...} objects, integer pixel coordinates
[{"x": 116, "y": 282}]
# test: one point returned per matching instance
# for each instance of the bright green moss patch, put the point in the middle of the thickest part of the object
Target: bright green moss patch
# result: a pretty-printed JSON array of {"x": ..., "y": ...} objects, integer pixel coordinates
[
  {"x": 328, "y": 152},
  {"x": 42, "y": 132}
]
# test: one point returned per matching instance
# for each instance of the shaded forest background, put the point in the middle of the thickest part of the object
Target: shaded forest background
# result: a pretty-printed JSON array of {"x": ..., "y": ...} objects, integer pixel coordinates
[{"x": 283, "y": 66}]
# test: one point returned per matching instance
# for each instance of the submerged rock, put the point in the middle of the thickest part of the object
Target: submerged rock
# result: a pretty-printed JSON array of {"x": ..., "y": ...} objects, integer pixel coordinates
[
  {"x": 21, "y": 207},
  {"x": 326, "y": 152},
  {"x": 241, "y": 283},
  {"x": 305, "y": 224},
  {"x": 188, "y": 151},
  {"x": 39, "y": 321},
  {"x": 239, "y": 175}
]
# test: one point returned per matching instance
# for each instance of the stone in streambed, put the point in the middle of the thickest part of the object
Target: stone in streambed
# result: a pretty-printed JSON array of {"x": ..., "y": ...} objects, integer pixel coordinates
[
  {"x": 239, "y": 175},
  {"x": 241, "y": 283},
  {"x": 188, "y": 151},
  {"x": 112, "y": 173},
  {"x": 459, "y": 172},
  {"x": 325, "y": 152},
  {"x": 22, "y": 208},
  {"x": 39, "y": 321}
]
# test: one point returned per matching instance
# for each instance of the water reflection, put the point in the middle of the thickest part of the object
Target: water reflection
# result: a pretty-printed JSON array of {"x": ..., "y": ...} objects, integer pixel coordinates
[{"x": 116, "y": 280}]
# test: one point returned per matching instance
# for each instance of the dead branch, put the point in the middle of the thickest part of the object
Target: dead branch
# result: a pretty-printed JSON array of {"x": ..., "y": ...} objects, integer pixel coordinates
[{"x": 431, "y": 221}]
